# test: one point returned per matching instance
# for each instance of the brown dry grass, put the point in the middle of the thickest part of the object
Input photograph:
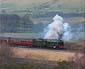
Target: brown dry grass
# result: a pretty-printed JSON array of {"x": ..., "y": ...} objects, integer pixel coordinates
[{"x": 39, "y": 54}]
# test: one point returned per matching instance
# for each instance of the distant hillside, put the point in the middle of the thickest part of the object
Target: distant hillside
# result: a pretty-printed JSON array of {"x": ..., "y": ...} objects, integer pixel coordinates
[
  {"x": 60, "y": 5},
  {"x": 65, "y": 5}
]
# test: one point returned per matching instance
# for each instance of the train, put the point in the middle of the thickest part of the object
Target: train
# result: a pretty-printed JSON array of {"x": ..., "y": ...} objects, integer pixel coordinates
[{"x": 38, "y": 43}]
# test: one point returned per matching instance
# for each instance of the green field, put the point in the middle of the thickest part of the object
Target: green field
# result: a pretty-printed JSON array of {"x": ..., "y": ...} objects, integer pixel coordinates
[{"x": 20, "y": 35}]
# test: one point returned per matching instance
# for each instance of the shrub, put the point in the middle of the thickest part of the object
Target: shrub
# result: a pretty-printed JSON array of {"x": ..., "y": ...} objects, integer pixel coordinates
[
  {"x": 5, "y": 53},
  {"x": 63, "y": 65}
]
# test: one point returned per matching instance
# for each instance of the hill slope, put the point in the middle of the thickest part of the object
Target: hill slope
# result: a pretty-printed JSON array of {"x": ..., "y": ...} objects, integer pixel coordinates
[{"x": 62, "y": 5}]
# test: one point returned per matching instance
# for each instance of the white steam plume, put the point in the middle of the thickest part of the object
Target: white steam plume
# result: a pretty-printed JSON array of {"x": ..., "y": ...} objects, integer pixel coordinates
[
  {"x": 55, "y": 28},
  {"x": 58, "y": 28},
  {"x": 67, "y": 35}
]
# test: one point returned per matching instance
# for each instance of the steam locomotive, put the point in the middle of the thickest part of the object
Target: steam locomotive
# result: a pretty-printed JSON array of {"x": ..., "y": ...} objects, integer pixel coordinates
[{"x": 38, "y": 43}]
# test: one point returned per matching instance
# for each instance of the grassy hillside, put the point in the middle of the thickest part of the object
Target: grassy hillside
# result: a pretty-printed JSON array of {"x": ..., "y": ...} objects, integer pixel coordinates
[
  {"x": 68, "y": 4},
  {"x": 42, "y": 11},
  {"x": 43, "y": 5}
]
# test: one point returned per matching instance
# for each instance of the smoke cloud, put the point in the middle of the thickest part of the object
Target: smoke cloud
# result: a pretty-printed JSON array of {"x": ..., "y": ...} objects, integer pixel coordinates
[
  {"x": 58, "y": 29},
  {"x": 67, "y": 35},
  {"x": 55, "y": 28}
]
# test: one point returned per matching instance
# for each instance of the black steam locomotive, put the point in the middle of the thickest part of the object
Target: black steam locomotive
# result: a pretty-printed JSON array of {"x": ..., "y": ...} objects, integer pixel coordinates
[{"x": 48, "y": 43}]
